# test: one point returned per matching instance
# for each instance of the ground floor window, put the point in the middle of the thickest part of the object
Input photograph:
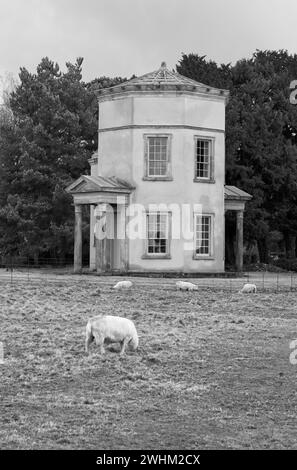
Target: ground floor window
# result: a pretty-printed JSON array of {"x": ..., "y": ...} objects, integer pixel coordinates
[
  {"x": 203, "y": 235},
  {"x": 157, "y": 234}
]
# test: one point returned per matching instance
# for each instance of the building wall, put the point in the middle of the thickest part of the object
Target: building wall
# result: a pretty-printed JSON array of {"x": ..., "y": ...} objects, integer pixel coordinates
[{"x": 122, "y": 125}]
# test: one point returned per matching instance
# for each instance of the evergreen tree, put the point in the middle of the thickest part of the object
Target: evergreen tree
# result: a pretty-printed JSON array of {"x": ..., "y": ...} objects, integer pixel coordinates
[
  {"x": 43, "y": 147},
  {"x": 261, "y": 138}
]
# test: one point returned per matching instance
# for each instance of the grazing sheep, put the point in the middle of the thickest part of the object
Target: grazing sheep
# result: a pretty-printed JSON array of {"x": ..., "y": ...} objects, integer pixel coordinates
[
  {"x": 111, "y": 329},
  {"x": 123, "y": 285},
  {"x": 181, "y": 285},
  {"x": 248, "y": 289}
]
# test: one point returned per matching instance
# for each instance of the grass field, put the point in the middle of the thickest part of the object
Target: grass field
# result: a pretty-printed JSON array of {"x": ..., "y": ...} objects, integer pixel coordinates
[{"x": 212, "y": 369}]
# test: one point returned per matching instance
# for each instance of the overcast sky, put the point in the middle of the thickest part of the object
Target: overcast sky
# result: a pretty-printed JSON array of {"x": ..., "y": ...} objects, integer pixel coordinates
[{"x": 122, "y": 37}]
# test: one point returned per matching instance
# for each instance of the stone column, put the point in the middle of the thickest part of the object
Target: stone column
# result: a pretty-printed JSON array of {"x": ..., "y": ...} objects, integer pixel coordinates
[
  {"x": 122, "y": 237},
  {"x": 78, "y": 239},
  {"x": 101, "y": 222},
  {"x": 239, "y": 240},
  {"x": 92, "y": 238},
  {"x": 110, "y": 238}
]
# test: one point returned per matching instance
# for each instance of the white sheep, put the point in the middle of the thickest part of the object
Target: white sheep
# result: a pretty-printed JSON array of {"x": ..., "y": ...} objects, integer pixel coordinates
[
  {"x": 248, "y": 289},
  {"x": 123, "y": 285},
  {"x": 181, "y": 285},
  {"x": 111, "y": 329}
]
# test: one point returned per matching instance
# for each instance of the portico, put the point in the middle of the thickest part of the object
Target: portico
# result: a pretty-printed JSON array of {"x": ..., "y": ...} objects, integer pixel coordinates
[
  {"x": 108, "y": 199},
  {"x": 235, "y": 199}
]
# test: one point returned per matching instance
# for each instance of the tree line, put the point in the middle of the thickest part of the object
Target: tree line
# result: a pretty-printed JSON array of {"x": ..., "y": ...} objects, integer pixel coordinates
[{"x": 48, "y": 131}]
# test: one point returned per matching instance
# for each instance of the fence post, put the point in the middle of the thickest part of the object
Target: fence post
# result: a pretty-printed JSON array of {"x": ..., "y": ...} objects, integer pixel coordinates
[
  {"x": 277, "y": 276},
  {"x": 291, "y": 281},
  {"x": 263, "y": 282}
]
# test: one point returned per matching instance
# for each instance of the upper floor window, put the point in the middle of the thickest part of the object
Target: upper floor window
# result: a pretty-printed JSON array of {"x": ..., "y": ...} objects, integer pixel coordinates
[
  {"x": 157, "y": 157},
  {"x": 204, "y": 159}
]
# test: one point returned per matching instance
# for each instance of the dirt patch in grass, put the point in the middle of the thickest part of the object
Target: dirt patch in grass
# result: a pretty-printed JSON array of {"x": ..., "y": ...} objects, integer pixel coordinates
[{"x": 212, "y": 369}]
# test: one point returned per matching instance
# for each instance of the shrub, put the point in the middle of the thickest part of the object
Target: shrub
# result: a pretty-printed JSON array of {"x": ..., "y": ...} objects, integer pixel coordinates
[{"x": 289, "y": 264}]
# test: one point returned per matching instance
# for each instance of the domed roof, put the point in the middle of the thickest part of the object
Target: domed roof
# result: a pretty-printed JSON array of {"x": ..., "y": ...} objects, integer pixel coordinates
[{"x": 162, "y": 80}]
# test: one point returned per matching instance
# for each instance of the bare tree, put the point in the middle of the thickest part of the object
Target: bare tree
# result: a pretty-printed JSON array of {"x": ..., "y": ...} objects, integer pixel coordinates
[{"x": 8, "y": 84}]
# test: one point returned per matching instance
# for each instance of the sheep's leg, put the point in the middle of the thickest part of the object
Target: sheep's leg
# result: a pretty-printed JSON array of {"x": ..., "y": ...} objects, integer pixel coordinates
[
  {"x": 100, "y": 342},
  {"x": 89, "y": 340},
  {"x": 124, "y": 344}
]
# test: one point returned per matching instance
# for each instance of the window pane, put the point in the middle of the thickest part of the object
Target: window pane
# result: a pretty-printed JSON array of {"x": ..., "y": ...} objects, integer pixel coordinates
[
  {"x": 203, "y": 158},
  {"x": 157, "y": 233},
  {"x": 203, "y": 234},
  {"x": 157, "y": 156}
]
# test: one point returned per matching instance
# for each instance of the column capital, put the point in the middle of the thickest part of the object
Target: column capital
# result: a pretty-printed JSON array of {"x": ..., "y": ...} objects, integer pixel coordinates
[{"x": 78, "y": 208}]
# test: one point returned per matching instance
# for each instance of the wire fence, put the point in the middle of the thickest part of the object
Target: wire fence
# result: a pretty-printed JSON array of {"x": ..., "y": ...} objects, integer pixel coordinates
[
  {"x": 264, "y": 281},
  {"x": 52, "y": 269},
  {"x": 11, "y": 262}
]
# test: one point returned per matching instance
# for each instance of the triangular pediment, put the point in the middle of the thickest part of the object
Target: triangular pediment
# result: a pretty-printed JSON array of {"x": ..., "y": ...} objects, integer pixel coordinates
[
  {"x": 86, "y": 187},
  {"x": 94, "y": 184},
  {"x": 232, "y": 192}
]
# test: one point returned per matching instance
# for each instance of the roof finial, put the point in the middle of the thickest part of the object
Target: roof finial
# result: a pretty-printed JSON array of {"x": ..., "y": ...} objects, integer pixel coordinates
[{"x": 163, "y": 65}]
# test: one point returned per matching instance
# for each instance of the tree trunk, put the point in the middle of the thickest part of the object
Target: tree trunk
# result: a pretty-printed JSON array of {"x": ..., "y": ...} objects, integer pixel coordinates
[
  {"x": 290, "y": 244},
  {"x": 263, "y": 249},
  {"x": 36, "y": 259}
]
